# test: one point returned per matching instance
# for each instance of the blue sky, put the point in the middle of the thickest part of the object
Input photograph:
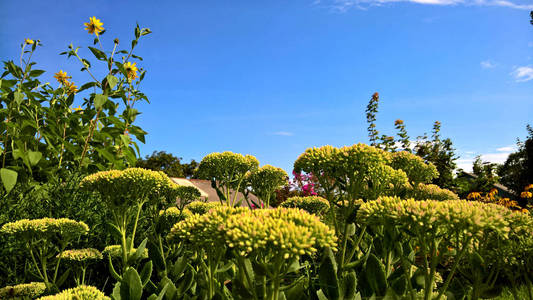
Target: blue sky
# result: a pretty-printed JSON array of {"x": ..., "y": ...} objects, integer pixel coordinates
[{"x": 272, "y": 78}]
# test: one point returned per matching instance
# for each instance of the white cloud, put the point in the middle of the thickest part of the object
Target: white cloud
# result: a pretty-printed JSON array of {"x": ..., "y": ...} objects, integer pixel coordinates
[
  {"x": 510, "y": 148},
  {"x": 283, "y": 133},
  {"x": 487, "y": 64},
  {"x": 344, "y": 5},
  {"x": 522, "y": 74}
]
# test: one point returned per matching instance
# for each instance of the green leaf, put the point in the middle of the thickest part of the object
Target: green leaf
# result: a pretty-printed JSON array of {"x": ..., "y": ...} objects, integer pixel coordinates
[
  {"x": 146, "y": 273},
  {"x": 116, "y": 292},
  {"x": 327, "y": 275},
  {"x": 18, "y": 97},
  {"x": 36, "y": 73},
  {"x": 350, "y": 285},
  {"x": 375, "y": 272},
  {"x": 140, "y": 249},
  {"x": 187, "y": 281},
  {"x": 99, "y": 100},
  {"x": 9, "y": 179},
  {"x": 170, "y": 288},
  {"x": 34, "y": 157},
  {"x": 87, "y": 85},
  {"x": 179, "y": 266},
  {"x": 125, "y": 140},
  {"x": 112, "y": 81},
  {"x": 99, "y": 54},
  {"x": 131, "y": 285}
]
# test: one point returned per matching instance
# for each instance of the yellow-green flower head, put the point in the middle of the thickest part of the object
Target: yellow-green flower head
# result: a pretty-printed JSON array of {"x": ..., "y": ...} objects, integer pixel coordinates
[
  {"x": 82, "y": 292},
  {"x": 421, "y": 191},
  {"x": 115, "y": 251},
  {"x": 23, "y": 291},
  {"x": 46, "y": 227},
  {"x": 414, "y": 166},
  {"x": 171, "y": 216},
  {"x": 266, "y": 180},
  {"x": 80, "y": 255},
  {"x": 471, "y": 217},
  {"x": 199, "y": 207},
  {"x": 282, "y": 232},
  {"x": 130, "y": 186},
  {"x": 312, "y": 204},
  {"x": 94, "y": 26},
  {"x": 216, "y": 165},
  {"x": 29, "y": 41}
]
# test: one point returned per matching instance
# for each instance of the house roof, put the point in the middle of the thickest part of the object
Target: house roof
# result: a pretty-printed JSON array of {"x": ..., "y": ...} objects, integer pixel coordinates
[
  {"x": 496, "y": 185},
  {"x": 208, "y": 192}
]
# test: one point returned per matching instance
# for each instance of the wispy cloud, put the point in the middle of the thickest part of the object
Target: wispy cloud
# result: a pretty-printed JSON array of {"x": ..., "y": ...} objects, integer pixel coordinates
[
  {"x": 345, "y": 5},
  {"x": 283, "y": 133},
  {"x": 487, "y": 64},
  {"x": 499, "y": 157},
  {"x": 510, "y": 148},
  {"x": 522, "y": 74}
]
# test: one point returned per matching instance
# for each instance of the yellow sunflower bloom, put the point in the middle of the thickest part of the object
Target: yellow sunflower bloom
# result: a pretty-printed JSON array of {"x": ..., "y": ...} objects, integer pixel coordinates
[
  {"x": 526, "y": 195},
  {"x": 94, "y": 26},
  {"x": 62, "y": 77},
  {"x": 71, "y": 88},
  {"x": 28, "y": 41},
  {"x": 474, "y": 196},
  {"x": 131, "y": 70}
]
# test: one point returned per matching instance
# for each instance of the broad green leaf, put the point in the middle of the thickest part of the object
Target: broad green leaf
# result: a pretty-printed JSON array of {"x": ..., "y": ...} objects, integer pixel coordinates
[
  {"x": 99, "y": 100},
  {"x": 36, "y": 73},
  {"x": 18, "y": 97},
  {"x": 9, "y": 178},
  {"x": 146, "y": 273},
  {"x": 131, "y": 285},
  {"x": 112, "y": 81},
  {"x": 99, "y": 54},
  {"x": 34, "y": 157}
]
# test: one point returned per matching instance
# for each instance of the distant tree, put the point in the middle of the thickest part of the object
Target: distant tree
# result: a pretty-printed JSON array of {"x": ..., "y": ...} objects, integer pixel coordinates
[
  {"x": 441, "y": 153},
  {"x": 486, "y": 175},
  {"x": 168, "y": 163},
  {"x": 371, "y": 111},
  {"x": 517, "y": 171}
]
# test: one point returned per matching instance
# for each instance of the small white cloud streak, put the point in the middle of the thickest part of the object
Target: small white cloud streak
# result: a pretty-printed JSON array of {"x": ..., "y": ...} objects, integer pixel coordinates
[
  {"x": 523, "y": 74},
  {"x": 487, "y": 64},
  {"x": 283, "y": 133},
  {"x": 345, "y": 5},
  {"x": 509, "y": 149}
]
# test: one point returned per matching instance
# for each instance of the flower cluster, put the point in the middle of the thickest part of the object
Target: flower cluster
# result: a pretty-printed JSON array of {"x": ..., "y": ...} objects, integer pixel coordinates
[
  {"x": 469, "y": 217},
  {"x": 282, "y": 232},
  {"x": 200, "y": 208},
  {"x": 46, "y": 227},
  {"x": 265, "y": 180},
  {"x": 307, "y": 183},
  {"x": 63, "y": 78},
  {"x": 80, "y": 255},
  {"x": 130, "y": 186},
  {"x": 171, "y": 216},
  {"x": 23, "y": 291},
  {"x": 216, "y": 165},
  {"x": 82, "y": 292},
  {"x": 414, "y": 166},
  {"x": 115, "y": 251},
  {"x": 312, "y": 204},
  {"x": 421, "y": 191},
  {"x": 362, "y": 171}
]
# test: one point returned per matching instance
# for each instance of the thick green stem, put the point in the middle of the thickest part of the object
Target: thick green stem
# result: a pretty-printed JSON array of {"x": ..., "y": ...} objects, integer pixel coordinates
[{"x": 139, "y": 207}]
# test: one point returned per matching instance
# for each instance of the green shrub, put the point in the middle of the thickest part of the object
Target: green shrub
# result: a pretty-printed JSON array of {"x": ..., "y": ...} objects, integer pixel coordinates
[{"x": 23, "y": 291}]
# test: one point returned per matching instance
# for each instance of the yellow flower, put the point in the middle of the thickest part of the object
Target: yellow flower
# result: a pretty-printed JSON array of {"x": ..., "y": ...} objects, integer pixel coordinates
[
  {"x": 94, "y": 26},
  {"x": 473, "y": 195},
  {"x": 62, "y": 77},
  {"x": 398, "y": 122},
  {"x": 131, "y": 70},
  {"x": 77, "y": 109},
  {"x": 528, "y": 187},
  {"x": 526, "y": 195},
  {"x": 71, "y": 88},
  {"x": 28, "y": 41}
]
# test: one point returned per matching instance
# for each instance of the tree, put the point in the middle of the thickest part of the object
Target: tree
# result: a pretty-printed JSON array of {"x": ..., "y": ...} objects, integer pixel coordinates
[
  {"x": 517, "y": 171},
  {"x": 441, "y": 153},
  {"x": 168, "y": 163}
]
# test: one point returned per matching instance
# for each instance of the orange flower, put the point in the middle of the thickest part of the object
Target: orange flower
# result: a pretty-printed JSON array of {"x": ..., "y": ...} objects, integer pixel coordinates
[{"x": 62, "y": 77}]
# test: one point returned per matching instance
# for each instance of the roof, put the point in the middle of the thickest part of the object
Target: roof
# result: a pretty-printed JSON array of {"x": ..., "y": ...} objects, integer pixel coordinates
[
  {"x": 208, "y": 192},
  {"x": 496, "y": 185}
]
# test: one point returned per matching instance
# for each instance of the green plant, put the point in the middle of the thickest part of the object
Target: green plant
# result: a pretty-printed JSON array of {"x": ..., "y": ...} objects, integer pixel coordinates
[
  {"x": 227, "y": 171},
  {"x": 421, "y": 191},
  {"x": 82, "y": 292},
  {"x": 312, "y": 204},
  {"x": 44, "y": 239},
  {"x": 265, "y": 181},
  {"x": 23, "y": 291},
  {"x": 80, "y": 259}
]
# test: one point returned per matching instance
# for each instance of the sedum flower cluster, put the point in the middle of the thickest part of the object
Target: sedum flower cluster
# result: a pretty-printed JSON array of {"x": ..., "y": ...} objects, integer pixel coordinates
[
  {"x": 266, "y": 180},
  {"x": 115, "y": 251},
  {"x": 45, "y": 228},
  {"x": 360, "y": 170},
  {"x": 417, "y": 170},
  {"x": 421, "y": 191},
  {"x": 171, "y": 216},
  {"x": 80, "y": 255},
  {"x": 23, "y": 291},
  {"x": 226, "y": 165},
  {"x": 312, "y": 204},
  {"x": 281, "y": 232},
  {"x": 471, "y": 218},
  {"x": 82, "y": 292},
  {"x": 200, "y": 207},
  {"x": 130, "y": 186}
]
